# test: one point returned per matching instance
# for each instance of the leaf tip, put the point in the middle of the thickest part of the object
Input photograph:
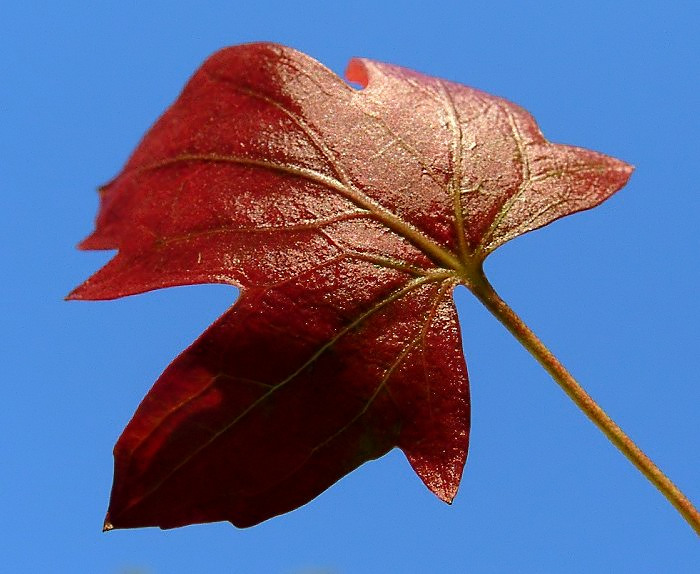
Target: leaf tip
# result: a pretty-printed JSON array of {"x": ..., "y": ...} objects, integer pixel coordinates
[
  {"x": 623, "y": 169},
  {"x": 446, "y": 495},
  {"x": 94, "y": 242},
  {"x": 71, "y": 296},
  {"x": 626, "y": 168},
  {"x": 356, "y": 72},
  {"x": 75, "y": 294},
  {"x": 441, "y": 479},
  {"x": 619, "y": 174}
]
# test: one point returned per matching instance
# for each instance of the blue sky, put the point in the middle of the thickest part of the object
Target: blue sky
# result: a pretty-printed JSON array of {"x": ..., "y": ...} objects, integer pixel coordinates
[{"x": 613, "y": 291}]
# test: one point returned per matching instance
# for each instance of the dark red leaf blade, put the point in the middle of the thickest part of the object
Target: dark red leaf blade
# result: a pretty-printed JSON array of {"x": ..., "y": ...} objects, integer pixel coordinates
[
  {"x": 250, "y": 422},
  {"x": 347, "y": 217}
]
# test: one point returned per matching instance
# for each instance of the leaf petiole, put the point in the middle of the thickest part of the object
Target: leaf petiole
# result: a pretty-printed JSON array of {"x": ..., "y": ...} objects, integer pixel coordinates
[{"x": 483, "y": 290}]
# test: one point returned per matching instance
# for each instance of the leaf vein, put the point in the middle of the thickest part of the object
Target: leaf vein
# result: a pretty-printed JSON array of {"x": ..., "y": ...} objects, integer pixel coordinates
[
  {"x": 401, "y": 356},
  {"x": 484, "y": 246},
  {"x": 389, "y": 219},
  {"x": 455, "y": 183}
]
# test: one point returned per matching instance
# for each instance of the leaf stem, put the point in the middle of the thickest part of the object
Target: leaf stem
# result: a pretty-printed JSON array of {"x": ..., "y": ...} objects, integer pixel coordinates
[{"x": 483, "y": 290}]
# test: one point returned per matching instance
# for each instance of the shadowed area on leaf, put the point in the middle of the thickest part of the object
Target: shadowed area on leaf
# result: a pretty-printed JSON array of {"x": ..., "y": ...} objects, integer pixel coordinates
[{"x": 249, "y": 423}]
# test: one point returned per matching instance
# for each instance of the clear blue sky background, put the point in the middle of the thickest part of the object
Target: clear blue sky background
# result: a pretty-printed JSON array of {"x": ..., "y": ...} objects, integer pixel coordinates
[{"x": 614, "y": 291}]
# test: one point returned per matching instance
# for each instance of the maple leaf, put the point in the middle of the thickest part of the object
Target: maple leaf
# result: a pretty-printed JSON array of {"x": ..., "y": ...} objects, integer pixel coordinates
[{"x": 347, "y": 217}]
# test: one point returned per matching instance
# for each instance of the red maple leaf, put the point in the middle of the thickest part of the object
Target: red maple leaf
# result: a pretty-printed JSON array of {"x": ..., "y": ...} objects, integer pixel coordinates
[{"x": 346, "y": 217}]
